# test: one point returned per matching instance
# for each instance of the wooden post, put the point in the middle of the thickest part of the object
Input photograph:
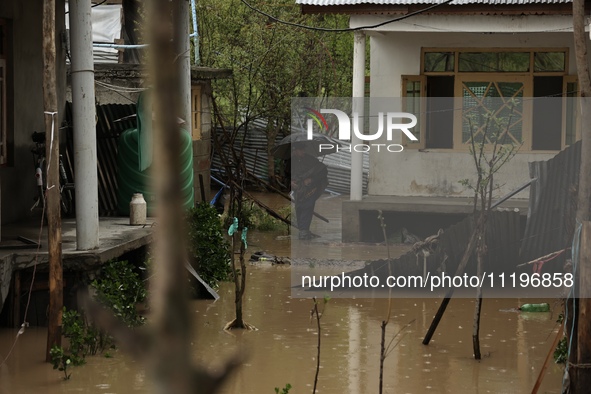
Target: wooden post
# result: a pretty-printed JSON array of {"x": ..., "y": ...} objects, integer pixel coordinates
[
  {"x": 171, "y": 358},
  {"x": 450, "y": 292},
  {"x": 582, "y": 368},
  {"x": 581, "y": 342},
  {"x": 54, "y": 235}
]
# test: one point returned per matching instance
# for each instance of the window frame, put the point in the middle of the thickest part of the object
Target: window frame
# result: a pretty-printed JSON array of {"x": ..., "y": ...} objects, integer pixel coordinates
[
  {"x": 565, "y": 81},
  {"x": 526, "y": 128},
  {"x": 422, "y": 79},
  {"x": 527, "y": 78}
]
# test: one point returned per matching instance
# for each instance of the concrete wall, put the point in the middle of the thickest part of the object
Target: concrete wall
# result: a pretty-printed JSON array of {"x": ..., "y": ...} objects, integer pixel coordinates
[
  {"x": 436, "y": 173},
  {"x": 18, "y": 180},
  {"x": 116, "y": 83}
]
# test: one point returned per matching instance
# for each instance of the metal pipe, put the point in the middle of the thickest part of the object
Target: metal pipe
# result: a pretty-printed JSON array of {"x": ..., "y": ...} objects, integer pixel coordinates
[
  {"x": 358, "y": 99},
  {"x": 184, "y": 50},
  {"x": 195, "y": 34},
  {"x": 84, "y": 114},
  {"x": 512, "y": 193}
]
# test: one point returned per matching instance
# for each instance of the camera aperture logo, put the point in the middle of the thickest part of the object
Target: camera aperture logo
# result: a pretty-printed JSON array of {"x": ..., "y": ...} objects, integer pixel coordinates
[{"x": 389, "y": 121}]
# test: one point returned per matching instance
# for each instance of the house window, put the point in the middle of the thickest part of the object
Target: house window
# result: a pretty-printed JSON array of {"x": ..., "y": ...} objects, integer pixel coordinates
[
  {"x": 3, "y": 88},
  {"x": 525, "y": 86},
  {"x": 506, "y": 123}
]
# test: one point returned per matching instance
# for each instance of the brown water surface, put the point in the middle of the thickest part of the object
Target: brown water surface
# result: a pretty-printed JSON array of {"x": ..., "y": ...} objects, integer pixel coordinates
[{"x": 283, "y": 350}]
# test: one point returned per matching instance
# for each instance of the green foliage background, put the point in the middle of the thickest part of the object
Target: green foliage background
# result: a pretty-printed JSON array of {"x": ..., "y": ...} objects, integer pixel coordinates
[
  {"x": 276, "y": 61},
  {"x": 272, "y": 62}
]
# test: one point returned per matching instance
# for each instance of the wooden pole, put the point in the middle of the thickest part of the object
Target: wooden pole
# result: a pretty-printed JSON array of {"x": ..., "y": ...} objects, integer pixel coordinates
[
  {"x": 580, "y": 41},
  {"x": 580, "y": 352},
  {"x": 546, "y": 362},
  {"x": 582, "y": 368},
  {"x": 52, "y": 208},
  {"x": 450, "y": 292},
  {"x": 170, "y": 358}
]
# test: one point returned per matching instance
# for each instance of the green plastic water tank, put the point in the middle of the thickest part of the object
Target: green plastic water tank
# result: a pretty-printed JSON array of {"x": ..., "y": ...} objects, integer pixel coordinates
[{"x": 131, "y": 180}]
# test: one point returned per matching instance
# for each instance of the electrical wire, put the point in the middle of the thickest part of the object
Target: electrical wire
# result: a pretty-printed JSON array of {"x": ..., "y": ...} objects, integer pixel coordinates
[
  {"x": 349, "y": 29},
  {"x": 117, "y": 88},
  {"x": 25, "y": 324}
]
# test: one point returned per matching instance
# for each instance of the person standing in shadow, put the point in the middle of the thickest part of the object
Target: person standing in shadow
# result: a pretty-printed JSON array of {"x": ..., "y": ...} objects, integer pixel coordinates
[{"x": 309, "y": 178}]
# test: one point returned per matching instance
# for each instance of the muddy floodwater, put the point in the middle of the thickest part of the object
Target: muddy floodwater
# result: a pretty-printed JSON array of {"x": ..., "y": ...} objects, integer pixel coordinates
[{"x": 283, "y": 349}]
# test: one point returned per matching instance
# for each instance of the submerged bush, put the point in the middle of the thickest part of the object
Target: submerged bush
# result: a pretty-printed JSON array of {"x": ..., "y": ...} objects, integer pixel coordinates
[
  {"x": 119, "y": 287},
  {"x": 60, "y": 360},
  {"x": 259, "y": 219},
  {"x": 210, "y": 252}
]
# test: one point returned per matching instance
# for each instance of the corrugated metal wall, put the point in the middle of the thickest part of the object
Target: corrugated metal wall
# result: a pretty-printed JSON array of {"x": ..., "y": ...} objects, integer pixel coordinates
[
  {"x": 108, "y": 129},
  {"x": 503, "y": 239},
  {"x": 255, "y": 155},
  {"x": 552, "y": 204}
]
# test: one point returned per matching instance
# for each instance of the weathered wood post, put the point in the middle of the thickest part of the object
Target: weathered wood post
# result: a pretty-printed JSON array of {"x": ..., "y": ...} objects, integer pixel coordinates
[
  {"x": 52, "y": 195},
  {"x": 582, "y": 368},
  {"x": 580, "y": 356}
]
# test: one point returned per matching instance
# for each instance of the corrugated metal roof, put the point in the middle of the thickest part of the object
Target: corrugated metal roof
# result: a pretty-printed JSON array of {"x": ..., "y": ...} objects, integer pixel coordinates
[{"x": 409, "y": 2}]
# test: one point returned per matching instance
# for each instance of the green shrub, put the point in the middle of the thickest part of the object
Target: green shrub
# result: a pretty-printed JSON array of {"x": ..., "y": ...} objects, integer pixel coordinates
[
  {"x": 284, "y": 390},
  {"x": 60, "y": 360},
  {"x": 120, "y": 288},
  {"x": 208, "y": 248}
]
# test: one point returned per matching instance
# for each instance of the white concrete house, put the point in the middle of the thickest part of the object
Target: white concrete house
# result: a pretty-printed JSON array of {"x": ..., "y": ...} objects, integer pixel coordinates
[{"x": 484, "y": 48}]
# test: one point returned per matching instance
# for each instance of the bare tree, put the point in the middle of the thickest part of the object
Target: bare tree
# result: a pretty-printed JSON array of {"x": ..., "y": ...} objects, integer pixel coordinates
[{"x": 488, "y": 160}]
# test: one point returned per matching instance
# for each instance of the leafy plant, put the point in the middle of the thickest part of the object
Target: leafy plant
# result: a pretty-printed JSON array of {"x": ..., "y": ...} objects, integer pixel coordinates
[
  {"x": 120, "y": 288},
  {"x": 208, "y": 248},
  {"x": 561, "y": 352},
  {"x": 84, "y": 339},
  {"x": 284, "y": 390},
  {"x": 60, "y": 360},
  {"x": 74, "y": 329}
]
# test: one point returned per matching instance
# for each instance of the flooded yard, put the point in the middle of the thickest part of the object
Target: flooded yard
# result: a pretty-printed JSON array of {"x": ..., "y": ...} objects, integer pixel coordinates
[{"x": 283, "y": 349}]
